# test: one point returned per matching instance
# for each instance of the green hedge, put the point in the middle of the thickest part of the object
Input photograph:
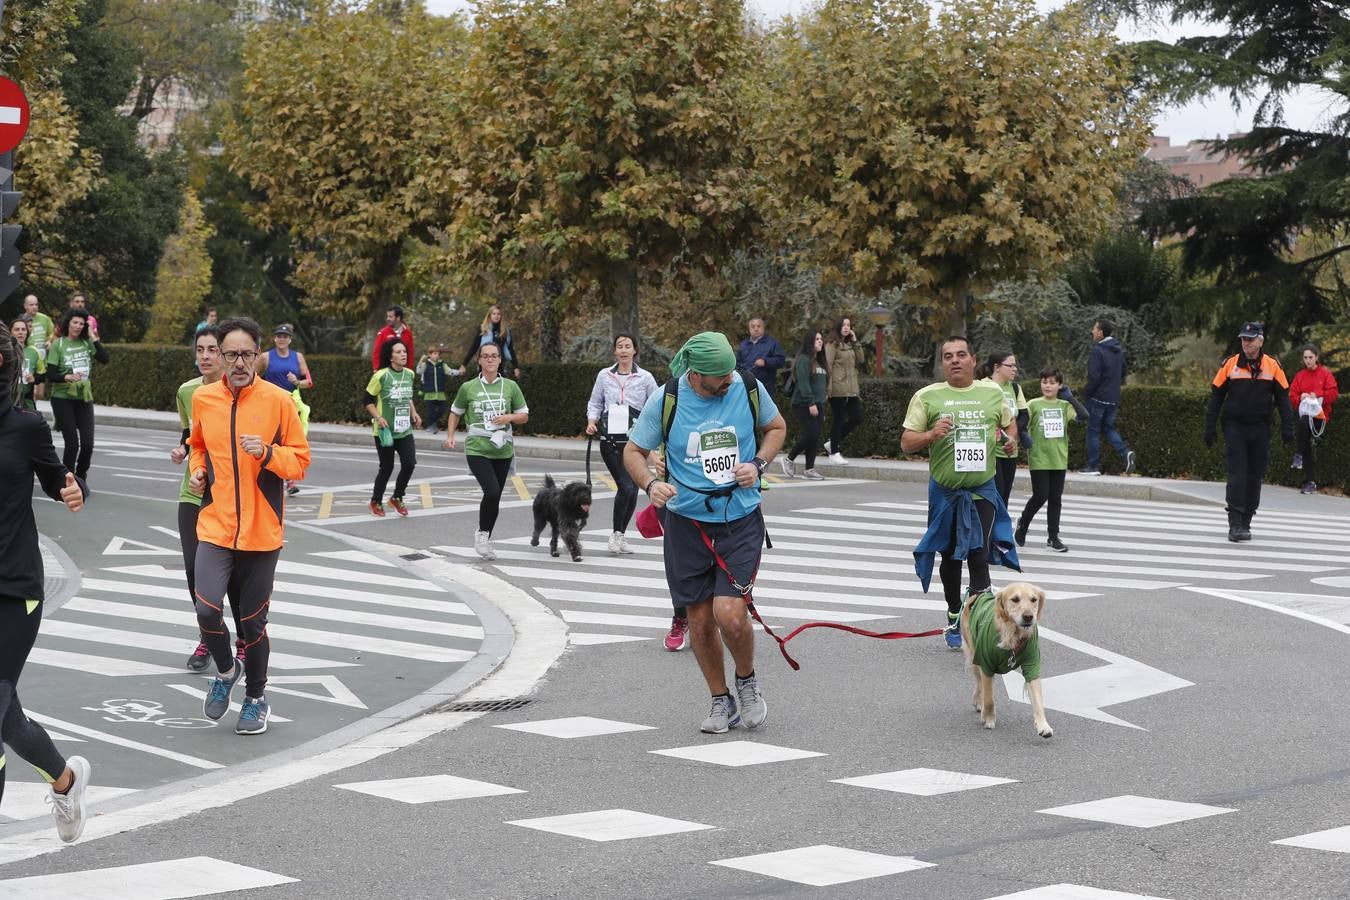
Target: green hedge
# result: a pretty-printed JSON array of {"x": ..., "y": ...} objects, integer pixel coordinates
[{"x": 1163, "y": 425}]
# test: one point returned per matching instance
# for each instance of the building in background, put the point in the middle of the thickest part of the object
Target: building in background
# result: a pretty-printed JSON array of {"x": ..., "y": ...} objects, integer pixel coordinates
[{"x": 1194, "y": 162}]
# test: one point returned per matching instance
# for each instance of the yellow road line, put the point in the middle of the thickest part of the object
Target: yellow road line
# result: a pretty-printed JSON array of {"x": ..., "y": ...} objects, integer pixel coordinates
[
  {"x": 326, "y": 505},
  {"x": 523, "y": 491},
  {"x": 609, "y": 481},
  {"x": 426, "y": 495}
]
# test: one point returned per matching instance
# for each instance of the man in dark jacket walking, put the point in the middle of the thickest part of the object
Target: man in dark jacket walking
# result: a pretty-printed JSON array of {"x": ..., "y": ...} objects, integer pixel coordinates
[
  {"x": 761, "y": 354},
  {"x": 1106, "y": 373}
]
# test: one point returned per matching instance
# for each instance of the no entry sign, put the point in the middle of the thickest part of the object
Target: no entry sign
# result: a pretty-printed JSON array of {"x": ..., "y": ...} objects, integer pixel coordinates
[{"x": 13, "y": 115}]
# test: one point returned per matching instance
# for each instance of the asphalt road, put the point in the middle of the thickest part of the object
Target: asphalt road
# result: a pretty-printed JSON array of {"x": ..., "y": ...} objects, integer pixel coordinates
[{"x": 1194, "y": 687}]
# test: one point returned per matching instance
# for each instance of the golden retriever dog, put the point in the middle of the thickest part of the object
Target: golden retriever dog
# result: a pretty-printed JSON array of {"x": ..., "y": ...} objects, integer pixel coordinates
[{"x": 1000, "y": 635}]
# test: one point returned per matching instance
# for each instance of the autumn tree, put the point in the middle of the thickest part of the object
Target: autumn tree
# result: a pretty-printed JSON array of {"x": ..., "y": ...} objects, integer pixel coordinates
[
  {"x": 599, "y": 143},
  {"x": 341, "y": 112},
  {"x": 941, "y": 151},
  {"x": 184, "y": 278}
]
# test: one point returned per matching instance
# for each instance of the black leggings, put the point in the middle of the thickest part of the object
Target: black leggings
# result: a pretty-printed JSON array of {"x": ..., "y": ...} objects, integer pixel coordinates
[
  {"x": 187, "y": 537},
  {"x": 625, "y": 501},
  {"x": 252, "y": 572},
  {"x": 75, "y": 421},
  {"x": 1305, "y": 450},
  {"x": 491, "y": 475},
  {"x": 18, "y": 631},
  {"x": 977, "y": 563},
  {"x": 406, "y": 447},
  {"x": 1046, "y": 484},
  {"x": 846, "y": 414},
  {"x": 1003, "y": 477},
  {"x": 808, "y": 439}
]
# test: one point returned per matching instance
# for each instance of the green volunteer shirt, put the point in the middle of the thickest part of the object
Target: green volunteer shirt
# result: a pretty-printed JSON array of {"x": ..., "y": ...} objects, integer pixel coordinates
[
  {"x": 39, "y": 331},
  {"x": 67, "y": 356},
  {"x": 965, "y": 457},
  {"x": 1015, "y": 400},
  {"x": 393, "y": 393},
  {"x": 478, "y": 402},
  {"x": 988, "y": 655},
  {"x": 184, "y": 399},
  {"x": 1049, "y": 428}
]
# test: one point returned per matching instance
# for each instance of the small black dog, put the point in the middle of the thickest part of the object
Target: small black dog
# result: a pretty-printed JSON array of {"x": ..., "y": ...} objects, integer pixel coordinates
[{"x": 564, "y": 509}]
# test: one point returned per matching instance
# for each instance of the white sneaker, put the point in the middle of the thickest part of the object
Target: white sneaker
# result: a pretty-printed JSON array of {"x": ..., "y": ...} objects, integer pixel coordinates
[
  {"x": 827, "y": 448},
  {"x": 812, "y": 475},
  {"x": 483, "y": 545},
  {"x": 68, "y": 808},
  {"x": 788, "y": 466},
  {"x": 618, "y": 544},
  {"x": 838, "y": 459}
]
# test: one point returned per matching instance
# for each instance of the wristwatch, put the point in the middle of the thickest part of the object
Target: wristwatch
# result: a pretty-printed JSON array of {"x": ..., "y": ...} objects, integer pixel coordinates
[{"x": 760, "y": 463}]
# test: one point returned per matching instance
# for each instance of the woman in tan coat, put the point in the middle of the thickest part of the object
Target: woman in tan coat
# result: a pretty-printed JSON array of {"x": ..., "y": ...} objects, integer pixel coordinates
[{"x": 844, "y": 356}]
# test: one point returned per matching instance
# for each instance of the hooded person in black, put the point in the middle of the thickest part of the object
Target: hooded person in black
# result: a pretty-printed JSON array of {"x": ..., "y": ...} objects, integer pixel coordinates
[
  {"x": 25, "y": 450},
  {"x": 1107, "y": 369}
]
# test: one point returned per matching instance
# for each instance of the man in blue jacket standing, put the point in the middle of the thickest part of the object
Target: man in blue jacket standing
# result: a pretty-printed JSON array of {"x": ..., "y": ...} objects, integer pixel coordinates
[
  {"x": 1106, "y": 373},
  {"x": 761, "y": 354}
]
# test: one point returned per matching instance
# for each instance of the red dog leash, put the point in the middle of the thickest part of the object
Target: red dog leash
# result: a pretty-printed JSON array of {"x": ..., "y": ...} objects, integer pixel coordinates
[{"x": 745, "y": 589}]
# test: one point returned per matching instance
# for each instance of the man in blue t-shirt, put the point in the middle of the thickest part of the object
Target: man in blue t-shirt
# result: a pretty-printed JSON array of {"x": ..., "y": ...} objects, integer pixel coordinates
[{"x": 711, "y": 499}]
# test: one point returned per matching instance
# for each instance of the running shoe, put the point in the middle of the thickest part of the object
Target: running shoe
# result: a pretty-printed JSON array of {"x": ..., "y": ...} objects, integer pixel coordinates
[
  {"x": 618, "y": 543},
  {"x": 838, "y": 459},
  {"x": 293, "y": 489},
  {"x": 812, "y": 475},
  {"x": 1055, "y": 545},
  {"x": 1297, "y": 462},
  {"x": 827, "y": 448},
  {"x": 754, "y": 709},
  {"x": 788, "y": 467},
  {"x": 253, "y": 716},
  {"x": 723, "y": 716},
  {"x": 1309, "y": 487},
  {"x": 1020, "y": 535},
  {"x": 1093, "y": 472},
  {"x": 199, "y": 658},
  {"x": 678, "y": 636},
  {"x": 218, "y": 697},
  {"x": 482, "y": 544},
  {"x": 377, "y": 508},
  {"x": 952, "y": 633},
  {"x": 1129, "y": 462},
  {"x": 399, "y": 506},
  {"x": 68, "y": 808}
]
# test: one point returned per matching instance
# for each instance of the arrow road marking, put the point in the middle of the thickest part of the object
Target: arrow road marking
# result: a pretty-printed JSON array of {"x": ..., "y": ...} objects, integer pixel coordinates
[
  {"x": 337, "y": 691},
  {"x": 1085, "y": 693},
  {"x": 120, "y": 546}
]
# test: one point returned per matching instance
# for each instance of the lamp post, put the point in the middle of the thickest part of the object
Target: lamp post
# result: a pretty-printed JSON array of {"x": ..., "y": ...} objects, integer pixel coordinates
[{"x": 881, "y": 317}]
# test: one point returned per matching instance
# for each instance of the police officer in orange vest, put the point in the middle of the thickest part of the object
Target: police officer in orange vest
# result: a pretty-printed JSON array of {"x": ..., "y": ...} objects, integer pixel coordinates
[{"x": 1248, "y": 385}]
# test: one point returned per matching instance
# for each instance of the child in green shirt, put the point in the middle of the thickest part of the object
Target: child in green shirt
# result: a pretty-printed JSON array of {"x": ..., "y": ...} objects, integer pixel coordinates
[{"x": 1050, "y": 415}]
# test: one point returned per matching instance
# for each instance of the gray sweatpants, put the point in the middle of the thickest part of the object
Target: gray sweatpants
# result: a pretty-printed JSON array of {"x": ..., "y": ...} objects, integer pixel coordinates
[{"x": 250, "y": 573}]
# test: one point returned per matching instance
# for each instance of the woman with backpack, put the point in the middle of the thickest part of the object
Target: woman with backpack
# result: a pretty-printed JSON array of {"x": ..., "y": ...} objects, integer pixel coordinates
[{"x": 809, "y": 383}]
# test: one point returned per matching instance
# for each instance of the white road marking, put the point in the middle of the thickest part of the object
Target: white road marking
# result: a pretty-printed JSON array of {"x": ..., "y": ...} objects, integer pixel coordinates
[
  {"x": 167, "y": 880},
  {"x": 663, "y": 603},
  {"x": 200, "y": 694},
  {"x": 180, "y": 647},
  {"x": 95, "y": 665},
  {"x": 428, "y": 789},
  {"x": 337, "y": 692},
  {"x": 120, "y": 546},
  {"x": 95, "y": 735},
  {"x": 823, "y": 865}
]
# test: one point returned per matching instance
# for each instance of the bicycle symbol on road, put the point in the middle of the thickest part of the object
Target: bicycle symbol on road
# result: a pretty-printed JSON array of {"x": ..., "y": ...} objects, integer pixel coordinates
[{"x": 145, "y": 712}]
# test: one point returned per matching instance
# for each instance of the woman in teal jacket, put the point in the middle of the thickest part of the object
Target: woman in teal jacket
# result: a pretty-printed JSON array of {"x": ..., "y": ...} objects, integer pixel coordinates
[{"x": 810, "y": 380}]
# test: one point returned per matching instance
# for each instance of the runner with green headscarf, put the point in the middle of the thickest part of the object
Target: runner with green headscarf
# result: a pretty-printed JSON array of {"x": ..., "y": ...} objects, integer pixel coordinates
[{"x": 711, "y": 499}]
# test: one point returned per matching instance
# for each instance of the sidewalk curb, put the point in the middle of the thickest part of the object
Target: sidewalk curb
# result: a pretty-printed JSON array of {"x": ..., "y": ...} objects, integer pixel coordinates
[{"x": 574, "y": 450}]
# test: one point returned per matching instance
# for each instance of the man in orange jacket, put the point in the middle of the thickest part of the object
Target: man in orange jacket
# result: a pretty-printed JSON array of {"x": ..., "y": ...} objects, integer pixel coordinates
[{"x": 246, "y": 443}]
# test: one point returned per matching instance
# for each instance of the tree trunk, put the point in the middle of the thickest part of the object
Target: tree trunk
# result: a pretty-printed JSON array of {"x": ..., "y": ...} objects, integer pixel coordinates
[
  {"x": 550, "y": 322},
  {"x": 619, "y": 285},
  {"x": 383, "y": 280},
  {"x": 956, "y": 322}
]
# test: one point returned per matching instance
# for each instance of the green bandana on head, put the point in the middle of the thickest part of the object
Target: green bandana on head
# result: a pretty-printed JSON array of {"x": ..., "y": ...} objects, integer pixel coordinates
[{"x": 707, "y": 353}]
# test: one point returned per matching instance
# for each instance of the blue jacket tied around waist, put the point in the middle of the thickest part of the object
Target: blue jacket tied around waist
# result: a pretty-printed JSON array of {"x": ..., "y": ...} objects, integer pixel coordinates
[{"x": 958, "y": 504}]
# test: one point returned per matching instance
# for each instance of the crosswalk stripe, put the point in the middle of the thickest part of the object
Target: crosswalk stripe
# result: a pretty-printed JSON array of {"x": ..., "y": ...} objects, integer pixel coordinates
[
  {"x": 167, "y": 880},
  {"x": 178, "y": 646},
  {"x": 1075, "y": 514},
  {"x": 94, "y": 734},
  {"x": 777, "y": 612},
  {"x": 96, "y": 665},
  {"x": 285, "y": 608},
  {"x": 282, "y": 632},
  {"x": 576, "y": 617},
  {"x": 356, "y": 556},
  {"x": 311, "y": 591},
  {"x": 354, "y": 576}
]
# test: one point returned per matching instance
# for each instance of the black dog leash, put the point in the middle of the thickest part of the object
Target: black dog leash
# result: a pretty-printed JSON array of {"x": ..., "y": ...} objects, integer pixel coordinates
[{"x": 590, "y": 439}]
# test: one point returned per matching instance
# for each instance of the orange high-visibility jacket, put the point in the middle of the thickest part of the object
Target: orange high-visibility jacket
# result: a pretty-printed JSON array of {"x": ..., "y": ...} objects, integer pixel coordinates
[{"x": 245, "y": 498}]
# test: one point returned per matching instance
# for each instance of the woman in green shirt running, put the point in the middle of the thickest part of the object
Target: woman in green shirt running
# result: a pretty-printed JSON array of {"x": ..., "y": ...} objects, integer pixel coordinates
[
  {"x": 31, "y": 367},
  {"x": 389, "y": 400},
  {"x": 490, "y": 405},
  {"x": 70, "y": 363}
]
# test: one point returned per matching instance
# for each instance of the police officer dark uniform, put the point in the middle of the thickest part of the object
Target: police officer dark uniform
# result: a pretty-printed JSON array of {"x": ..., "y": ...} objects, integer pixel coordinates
[{"x": 1246, "y": 387}]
